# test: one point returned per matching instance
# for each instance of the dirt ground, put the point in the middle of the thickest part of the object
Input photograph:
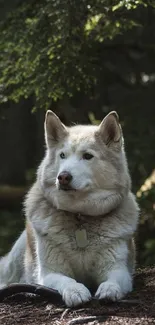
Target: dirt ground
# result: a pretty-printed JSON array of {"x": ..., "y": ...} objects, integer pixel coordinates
[{"x": 136, "y": 308}]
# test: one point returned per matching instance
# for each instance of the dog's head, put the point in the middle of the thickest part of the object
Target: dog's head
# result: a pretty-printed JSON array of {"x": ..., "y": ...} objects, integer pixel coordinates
[{"x": 83, "y": 158}]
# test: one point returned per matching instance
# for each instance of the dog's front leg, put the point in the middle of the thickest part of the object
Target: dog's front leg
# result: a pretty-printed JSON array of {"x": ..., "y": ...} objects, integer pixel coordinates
[
  {"x": 73, "y": 293},
  {"x": 117, "y": 285}
]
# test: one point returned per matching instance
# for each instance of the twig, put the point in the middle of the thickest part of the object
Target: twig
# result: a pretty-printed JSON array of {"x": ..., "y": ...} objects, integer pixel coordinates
[
  {"x": 122, "y": 301},
  {"x": 87, "y": 319},
  {"x": 64, "y": 313},
  {"x": 130, "y": 301},
  {"x": 57, "y": 312},
  {"x": 42, "y": 291}
]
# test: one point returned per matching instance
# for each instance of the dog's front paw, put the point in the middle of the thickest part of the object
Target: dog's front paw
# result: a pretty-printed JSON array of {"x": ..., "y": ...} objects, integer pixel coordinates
[
  {"x": 109, "y": 290},
  {"x": 75, "y": 295}
]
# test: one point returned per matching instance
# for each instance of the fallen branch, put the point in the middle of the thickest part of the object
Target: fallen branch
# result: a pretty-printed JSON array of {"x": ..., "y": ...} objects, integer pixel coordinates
[
  {"x": 40, "y": 290},
  {"x": 11, "y": 195},
  {"x": 12, "y": 192}
]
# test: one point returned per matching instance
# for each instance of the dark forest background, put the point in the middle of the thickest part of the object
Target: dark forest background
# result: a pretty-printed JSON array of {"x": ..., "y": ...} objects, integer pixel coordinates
[{"x": 82, "y": 59}]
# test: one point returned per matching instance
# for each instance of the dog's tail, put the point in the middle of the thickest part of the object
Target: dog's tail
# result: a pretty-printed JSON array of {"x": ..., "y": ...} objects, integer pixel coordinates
[{"x": 12, "y": 265}]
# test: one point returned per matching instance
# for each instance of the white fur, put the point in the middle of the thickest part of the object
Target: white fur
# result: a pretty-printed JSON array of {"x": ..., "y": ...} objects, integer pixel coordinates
[
  {"x": 11, "y": 265},
  {"x": 108, "y": 214}
]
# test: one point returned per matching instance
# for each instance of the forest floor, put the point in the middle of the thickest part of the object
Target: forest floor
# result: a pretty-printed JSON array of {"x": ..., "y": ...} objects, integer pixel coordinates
[{"x": 136, "y": 308}]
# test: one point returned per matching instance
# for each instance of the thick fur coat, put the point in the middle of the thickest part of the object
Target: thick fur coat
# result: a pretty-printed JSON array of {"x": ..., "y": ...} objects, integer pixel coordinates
[{"x": 80, "y": 216}]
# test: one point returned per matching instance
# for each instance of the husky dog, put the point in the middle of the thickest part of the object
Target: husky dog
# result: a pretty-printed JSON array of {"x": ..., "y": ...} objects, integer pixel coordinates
[{"x": 80, "y": 216}]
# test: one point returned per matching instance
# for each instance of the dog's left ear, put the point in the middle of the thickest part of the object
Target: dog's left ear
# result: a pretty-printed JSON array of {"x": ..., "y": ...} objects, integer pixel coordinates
[{"x": 110, "y": 130}]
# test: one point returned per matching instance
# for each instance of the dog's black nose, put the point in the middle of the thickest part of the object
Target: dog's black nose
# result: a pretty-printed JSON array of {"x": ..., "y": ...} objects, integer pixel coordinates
[{"x": 64, "y": 178}]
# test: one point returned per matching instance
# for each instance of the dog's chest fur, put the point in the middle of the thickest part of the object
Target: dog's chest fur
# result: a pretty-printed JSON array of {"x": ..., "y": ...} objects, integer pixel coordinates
[
  {"x": 73, "y": 231},
  {"x": 59, "y": 239}
]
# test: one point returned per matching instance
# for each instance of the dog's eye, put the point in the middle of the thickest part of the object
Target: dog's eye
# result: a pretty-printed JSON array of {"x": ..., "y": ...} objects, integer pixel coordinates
[
  {"x": 62, "y": 155},
  {"x": 87, "y": 156}
]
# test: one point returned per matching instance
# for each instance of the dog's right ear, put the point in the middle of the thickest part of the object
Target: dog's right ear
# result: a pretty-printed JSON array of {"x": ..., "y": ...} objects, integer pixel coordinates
[{"x": 55, "y": 130}]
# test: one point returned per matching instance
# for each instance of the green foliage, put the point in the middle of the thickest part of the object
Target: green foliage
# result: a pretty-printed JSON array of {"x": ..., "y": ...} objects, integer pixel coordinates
[{"x": 50, "y": 48}]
